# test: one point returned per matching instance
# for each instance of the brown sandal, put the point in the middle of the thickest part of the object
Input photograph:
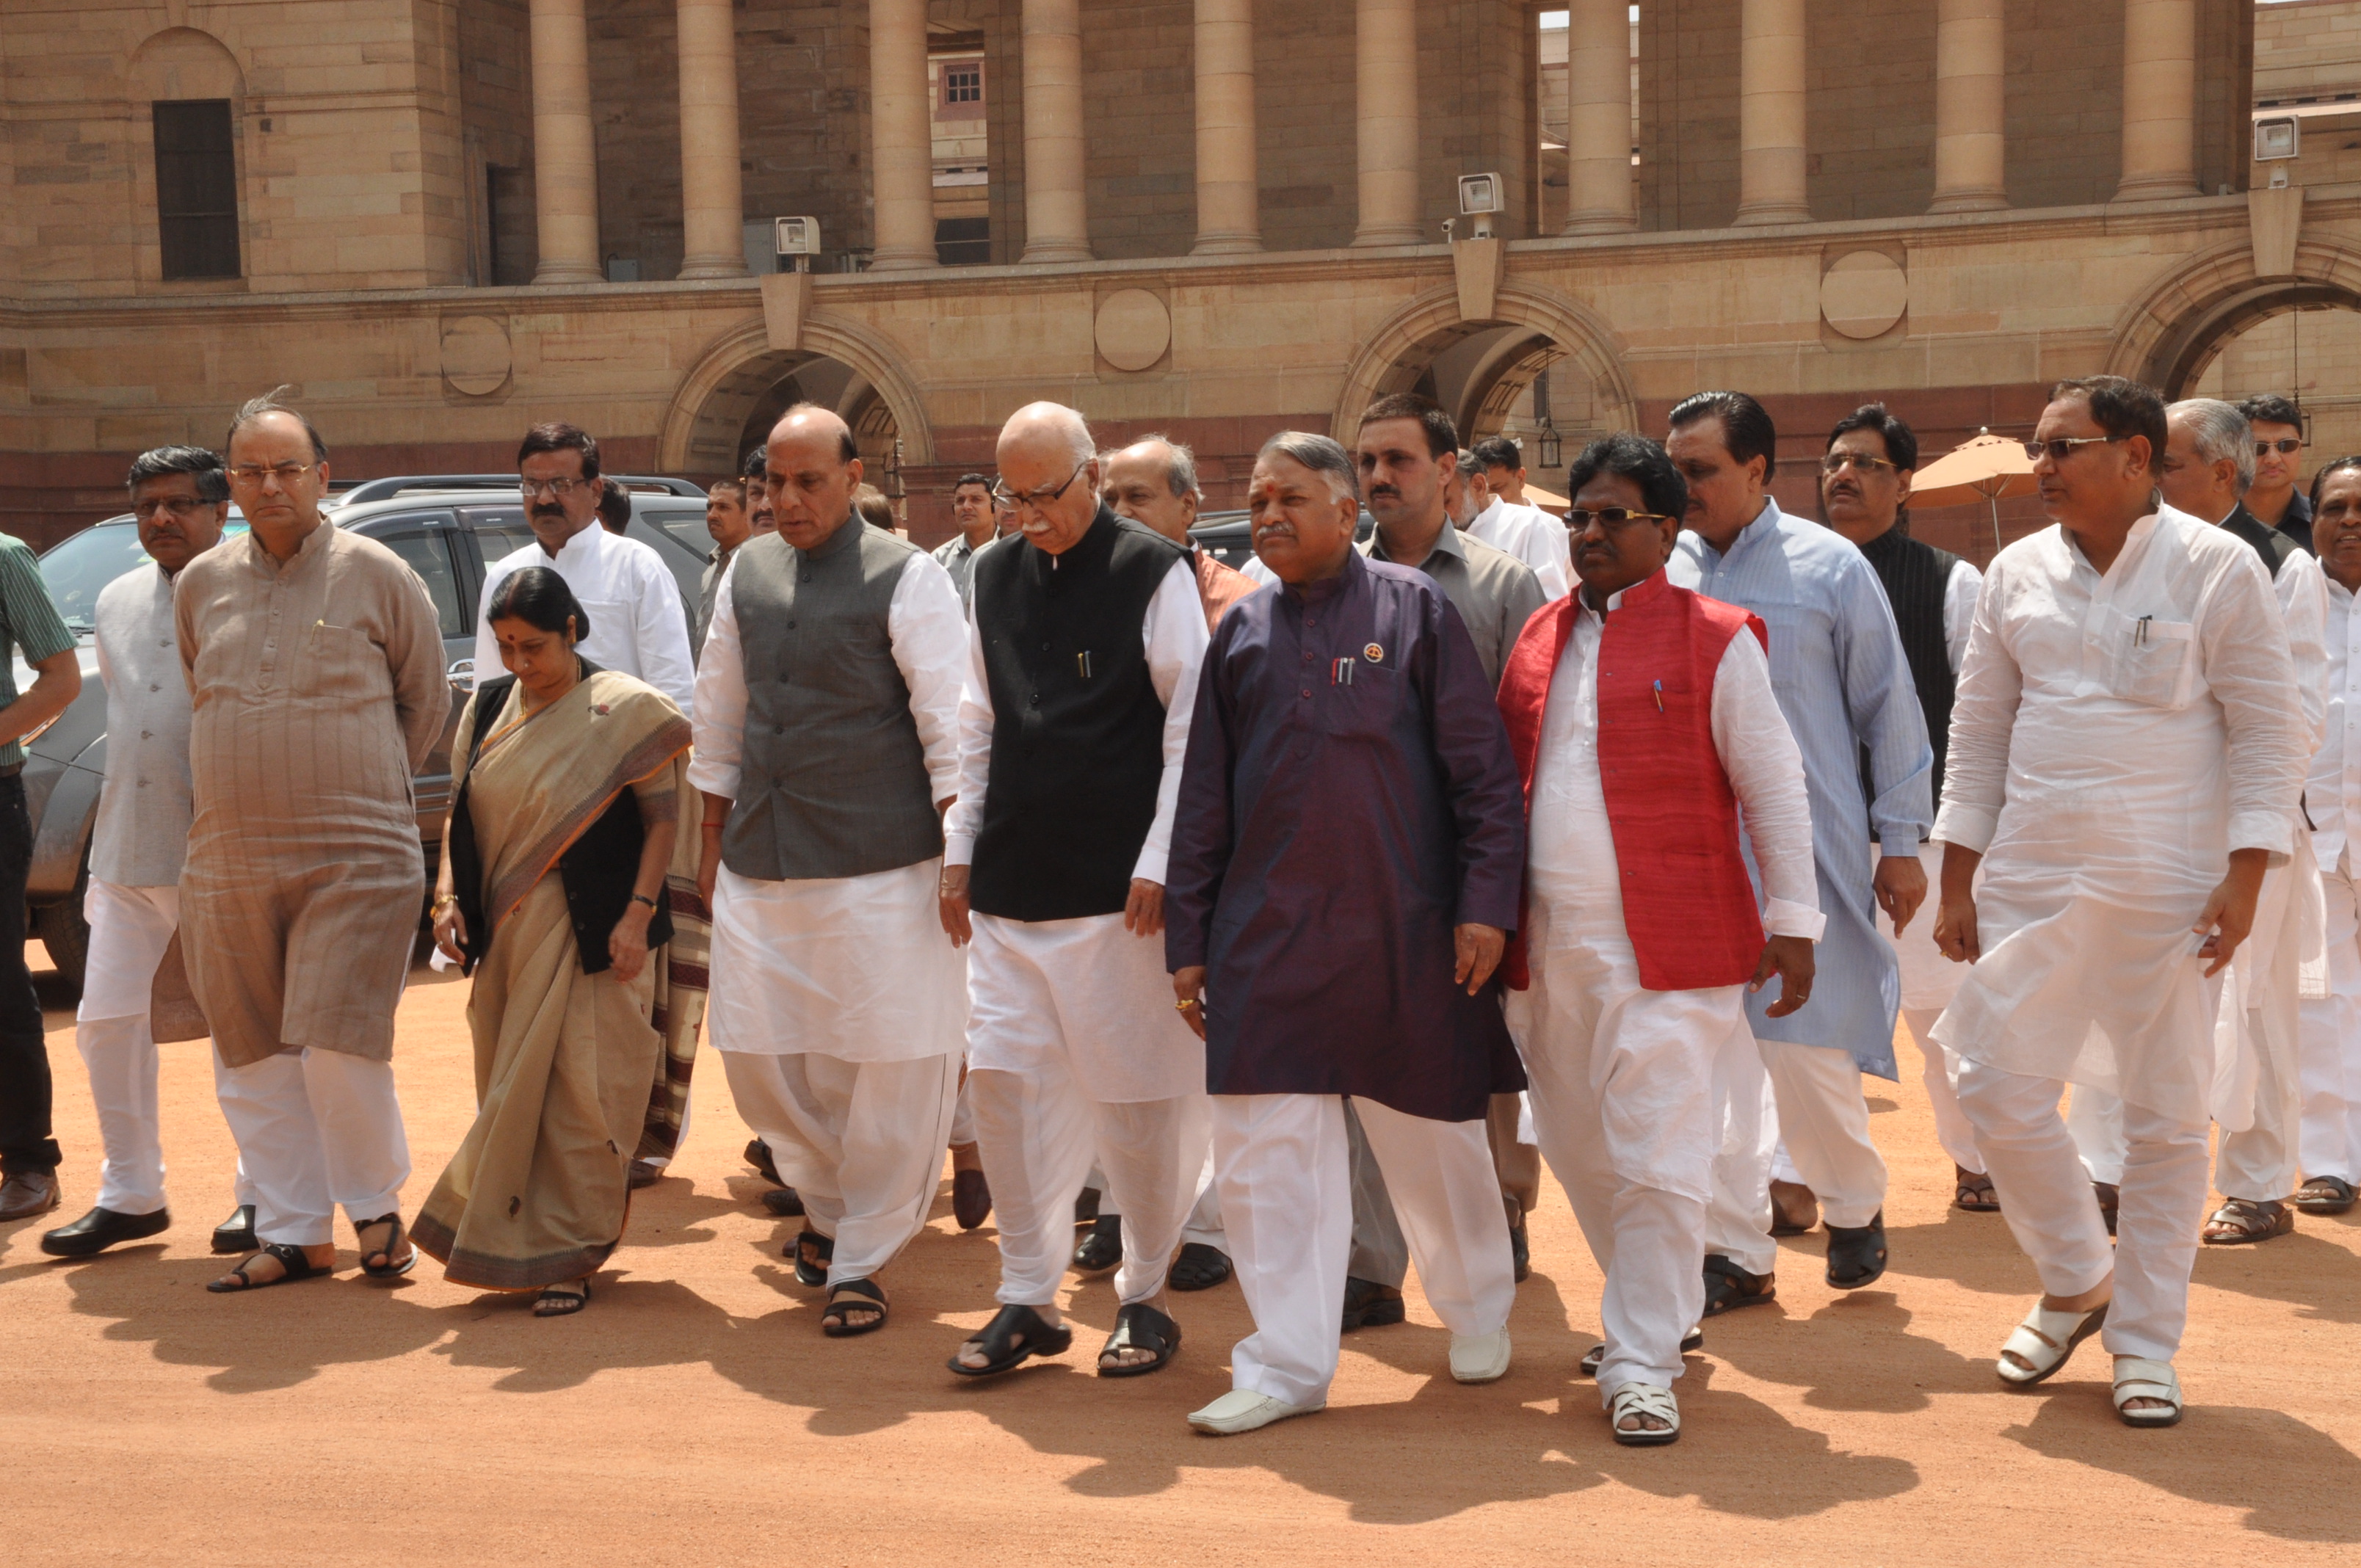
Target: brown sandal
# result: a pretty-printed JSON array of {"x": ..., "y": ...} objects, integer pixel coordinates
[
  {"x": 1974, "y": 1192},
  {"x": 2242, "y": 1220}
]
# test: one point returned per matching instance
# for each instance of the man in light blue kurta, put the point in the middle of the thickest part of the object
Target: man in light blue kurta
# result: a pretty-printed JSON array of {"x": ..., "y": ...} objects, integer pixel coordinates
[{"x": 1844, "y": 684}]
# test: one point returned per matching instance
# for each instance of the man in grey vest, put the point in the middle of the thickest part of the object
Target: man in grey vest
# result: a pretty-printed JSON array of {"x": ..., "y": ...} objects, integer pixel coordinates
[{"x": 826, "y": 710}]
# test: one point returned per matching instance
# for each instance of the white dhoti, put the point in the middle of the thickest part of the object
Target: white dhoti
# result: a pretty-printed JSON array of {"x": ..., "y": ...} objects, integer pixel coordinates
[
  {"x": 315, "y": 1130},
  {"x": 2330, "y": 1040},
  {"x": 129, "y": 930},
  {"x": 837, "y": 1005},
  {"x": 1285, "y": 1177},
  {"x": 1074, "y": 1053},
  {"x": 1622, "y": 1094}
]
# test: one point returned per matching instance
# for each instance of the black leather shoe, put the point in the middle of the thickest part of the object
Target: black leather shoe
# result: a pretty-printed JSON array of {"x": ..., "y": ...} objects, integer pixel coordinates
[
  {"x": 758, "y": 1154},
  {"x": 1520, "y": 1251},
  {"x": 783, "y": 1202},
  {"x": 101, "y": 1229},
  {"x": 1369, "y": 1305},
  {"x": 26, "y": 1193},
  {"x": 1101, "y": 1247},
  {"x": 971, "y": 1198},
  {"x": 236, "y": 1235},
  {"x": 1086, "y": 1206},
  {"x": 1857, "y": 1253}
]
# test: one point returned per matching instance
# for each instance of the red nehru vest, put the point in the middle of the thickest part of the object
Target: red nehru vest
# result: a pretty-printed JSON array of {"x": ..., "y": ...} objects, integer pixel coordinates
[{"x": 1687, "y": 903}]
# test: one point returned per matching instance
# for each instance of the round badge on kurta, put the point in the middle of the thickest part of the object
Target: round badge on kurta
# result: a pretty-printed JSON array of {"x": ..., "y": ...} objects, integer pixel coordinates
[{"x": 1374, "y": 654}]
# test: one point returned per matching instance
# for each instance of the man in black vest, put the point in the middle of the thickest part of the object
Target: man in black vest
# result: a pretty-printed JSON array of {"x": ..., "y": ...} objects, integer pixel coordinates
[
  {"x": 1864, "y": 484},
  {"x": 1084, "y": 637},
  {"x": 826, "y": 748}
]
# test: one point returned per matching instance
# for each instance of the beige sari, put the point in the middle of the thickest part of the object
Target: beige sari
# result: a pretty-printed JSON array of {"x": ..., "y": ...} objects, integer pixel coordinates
[{"x": 537, "y": 1193}]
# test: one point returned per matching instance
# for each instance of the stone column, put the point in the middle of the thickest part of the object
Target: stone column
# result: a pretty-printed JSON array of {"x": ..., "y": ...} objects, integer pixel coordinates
[
  {"x": 1771, "y": 113},
  {"x": 1385, "y": 36},
  {"x": 2159, "y": 100},
  {"x": 1969, "y": 108},
  {"x": 712, "y": 205},
  {"x": 565, "y": 150},
  {"x": 901, "y": 126},
  {"x": 1229, "y": 221},
  {"x": 1598, "y": 117},
  {"x": 1057, "y": 220}
]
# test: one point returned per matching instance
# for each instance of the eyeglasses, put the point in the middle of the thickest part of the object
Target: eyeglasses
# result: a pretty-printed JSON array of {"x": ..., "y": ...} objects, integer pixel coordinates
[
  {"x": 557, "y": 489},
  {"x": 1835, "y": 462},
  {"x": 2286, "y": 447},
  {"x": 252, "y": 473},
  {"x": 1579, "y": 519},
  {"x": 1007, "y": 499},
  {"x": 2059, "y": 448},
  {"x": 178, "y": 506}
]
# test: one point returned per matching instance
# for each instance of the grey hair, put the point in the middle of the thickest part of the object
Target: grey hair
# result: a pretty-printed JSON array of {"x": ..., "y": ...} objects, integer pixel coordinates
[
  {"x": 2220, "y": 432},
  {"x": 1069, "y": 423},
  {"x": 1469, "y": 464},
  {"x": 206, "y": 467},
  {"x": 1322, "y": 454},
  {"x": 1179, "y": 469},
  {"x": 274, "y": 402}
]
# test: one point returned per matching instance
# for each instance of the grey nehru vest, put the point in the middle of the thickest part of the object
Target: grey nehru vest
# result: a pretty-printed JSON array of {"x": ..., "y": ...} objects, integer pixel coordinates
[{"x": 832, "y": 778}]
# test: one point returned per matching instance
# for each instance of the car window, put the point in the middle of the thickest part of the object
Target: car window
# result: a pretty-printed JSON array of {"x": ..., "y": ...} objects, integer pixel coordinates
[
  {"x": 426, "y": 552},
  {"x": 687, "y": 527},
  {"x": 500, "y": 532},
  {"x": 77, "y": 567},
  {"x": 688, "y": 567}
]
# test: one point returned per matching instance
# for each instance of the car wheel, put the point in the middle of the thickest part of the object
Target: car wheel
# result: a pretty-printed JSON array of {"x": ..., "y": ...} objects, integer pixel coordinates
[{"x": 64, "y": 932}]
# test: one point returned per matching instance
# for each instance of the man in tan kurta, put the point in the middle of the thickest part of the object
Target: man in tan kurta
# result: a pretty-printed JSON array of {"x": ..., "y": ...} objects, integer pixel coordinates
[{"x": 315, "y": 663}]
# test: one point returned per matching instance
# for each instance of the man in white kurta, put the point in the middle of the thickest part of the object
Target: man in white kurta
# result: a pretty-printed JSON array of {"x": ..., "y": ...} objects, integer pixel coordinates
[
  {"x": 1529, "y": 533},
  {"x": 1621, "y": 1067},
  {"x": 1085, "y": 634},
  {"x": 825, "y": 746},
  {"x": 2329, "y": 1040},
  {"x": 2126, "y": 751}
]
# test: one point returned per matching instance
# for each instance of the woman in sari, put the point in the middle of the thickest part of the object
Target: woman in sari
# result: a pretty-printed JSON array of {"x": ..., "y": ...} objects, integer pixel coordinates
[{"x": 562, "y": 828}]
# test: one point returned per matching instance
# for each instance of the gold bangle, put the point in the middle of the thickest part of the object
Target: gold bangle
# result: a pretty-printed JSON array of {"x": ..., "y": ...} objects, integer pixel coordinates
[
  {"x": 1184, "y": 1006},
  {"x": 446, "y": 899}
]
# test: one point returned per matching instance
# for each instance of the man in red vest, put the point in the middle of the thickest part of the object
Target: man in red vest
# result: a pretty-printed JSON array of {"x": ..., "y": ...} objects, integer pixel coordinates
[{"x": 1644, "y": 722}]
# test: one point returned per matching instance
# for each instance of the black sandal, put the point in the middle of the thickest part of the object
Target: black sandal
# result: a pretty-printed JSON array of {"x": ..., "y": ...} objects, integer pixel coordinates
[
  {"x": 2325, "y": 1195},
  {"x": 812, "y": 1253},
  {"x": 1140, "y": 1326},
  {"x": 999, "y": 1340},
  {"x": 867, "y": 1297},
  {"x": 1199, "y": 1268},
  {"x": 291, "y": 1258},
  {"x": 562, "y": 1299},
  {"x": 1729, "y": 1287},
  {"x": 1101, "y": 1247},
  {"x": 1857, "y": 1253},
  {"x": 1973, "y": 1192},
  {"x": 387, "y": 1269}
]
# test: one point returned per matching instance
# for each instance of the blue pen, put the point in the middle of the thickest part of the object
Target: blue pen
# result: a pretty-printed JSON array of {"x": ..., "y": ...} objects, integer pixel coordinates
[{"x": 1660, "y": 695}]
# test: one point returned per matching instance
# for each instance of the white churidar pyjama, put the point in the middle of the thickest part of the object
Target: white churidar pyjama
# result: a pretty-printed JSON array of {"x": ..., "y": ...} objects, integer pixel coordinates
[
  {"x": 2050, "y": 1209},
  {"x": 1286, "y": 1185},
  {"x": 315, "y": 1129},
  {"x": 1075, "y": 1053},
  {"x": 2330, "y": 1041},
  {"x": 129, "y": 930},
  {"x": 1823, "y": 1120},
  {"x": 860, "y": 1141}
]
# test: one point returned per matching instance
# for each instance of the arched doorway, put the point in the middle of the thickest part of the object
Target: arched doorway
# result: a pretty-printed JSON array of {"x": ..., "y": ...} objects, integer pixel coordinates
[
  {"x": 2308, "y": 351},
  {"x": 729, "y": 400}
]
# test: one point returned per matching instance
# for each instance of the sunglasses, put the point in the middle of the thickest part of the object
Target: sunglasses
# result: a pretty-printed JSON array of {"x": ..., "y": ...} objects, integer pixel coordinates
[
  {"x": 1578, "y": 520},
  {"x": 2286, "y": 447},
  {"x": 2059, "y": 448}
]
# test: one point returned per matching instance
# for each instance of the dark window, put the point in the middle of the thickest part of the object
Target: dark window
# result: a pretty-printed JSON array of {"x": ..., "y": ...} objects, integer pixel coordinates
[
  {"x": 509, "y": 224},
  {"x": 962, "y": 242},
  {"x": 425, "y": 553},
  {"x": 196, "y": 188},
  {"x": 963, "y": 85}
]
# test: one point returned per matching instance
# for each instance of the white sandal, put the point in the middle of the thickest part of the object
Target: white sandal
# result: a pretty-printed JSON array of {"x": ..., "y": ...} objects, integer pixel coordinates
[
  {"x": 1643, "y": 1399},
  {"x": 2043, "y": 1342},
  {"x": 2137, "y": 1377}
]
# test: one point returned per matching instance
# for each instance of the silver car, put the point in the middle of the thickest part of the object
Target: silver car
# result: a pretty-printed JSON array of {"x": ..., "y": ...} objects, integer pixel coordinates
[{"x": 446, "y": 526}]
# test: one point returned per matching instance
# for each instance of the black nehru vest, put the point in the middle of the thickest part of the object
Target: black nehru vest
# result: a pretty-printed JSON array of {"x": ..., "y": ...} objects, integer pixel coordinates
[
  {"x": 2272, "y": 544},
  {"x": 1078, "y": 730},
  {"x": 1914, "y": 576}
]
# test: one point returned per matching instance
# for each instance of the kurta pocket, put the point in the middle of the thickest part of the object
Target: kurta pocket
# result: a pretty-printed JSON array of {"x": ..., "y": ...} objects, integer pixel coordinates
[{"x": 2149, "y": 661}]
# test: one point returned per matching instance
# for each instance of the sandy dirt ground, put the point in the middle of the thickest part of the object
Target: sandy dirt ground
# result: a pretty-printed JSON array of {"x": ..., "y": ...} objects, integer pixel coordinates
[{"x": 693, "y": 1415}]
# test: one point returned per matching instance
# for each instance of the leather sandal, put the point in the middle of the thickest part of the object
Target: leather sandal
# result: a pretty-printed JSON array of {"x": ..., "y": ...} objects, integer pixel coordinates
[
  {"x": 387, "y": 1269},
  {"x": 562, "y": 1299},
  {"x": 2137, "y": 1377},
  {"x": 2240, "y": 1221},
  {"x": 2325, "y": 1195},
  {"x": 1857, "y": 1253},
  {"x": 1015, "y": 1335},
  {"x": 1972, "y": 1192},
  {"x": 1140, "y": 1326},
  {"x": 1199, "y": 1268},
  {"x": 847, "y": 1295},
  {"x": 291, "y": 1258},
  {"x": 812, "y": 1254},
  {"x": 2110, "y": 1199},
  {"x": 1369, "y": 1305},
  {"x": 1644, "y": 1400},
  {"x": 2043, "y": 1342},
  {"x": 1101, "y": 1247},
  {"x": 1729, "y": 1287}
]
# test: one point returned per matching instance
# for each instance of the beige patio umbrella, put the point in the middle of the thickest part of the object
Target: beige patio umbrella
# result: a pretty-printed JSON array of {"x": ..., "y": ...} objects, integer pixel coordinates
[
  {"x": 1984, "y": 468},
  {"x": 1548, "y": 502}
]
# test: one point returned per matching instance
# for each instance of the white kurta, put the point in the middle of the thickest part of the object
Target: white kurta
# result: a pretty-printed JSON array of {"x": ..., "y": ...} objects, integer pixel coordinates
[
  {"x": 2331, "y": 1034},
  {"x": 638, "y": 626},
  {"x": 1532, "y": 536},
  {"x": 853, "y": 967},
  {"x": 2114, "y": 738}
]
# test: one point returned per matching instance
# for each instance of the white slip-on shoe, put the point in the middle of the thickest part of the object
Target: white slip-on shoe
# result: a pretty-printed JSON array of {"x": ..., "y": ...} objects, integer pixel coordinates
[
  {"x": 1242, "y": 1409},
  {"x": 1480, "y": 1358}
]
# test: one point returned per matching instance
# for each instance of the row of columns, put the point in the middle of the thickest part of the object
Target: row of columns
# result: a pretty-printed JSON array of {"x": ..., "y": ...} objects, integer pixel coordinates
[
  {"x": 2158, "y": 131},
  {"x": 2160, "y": 121}
]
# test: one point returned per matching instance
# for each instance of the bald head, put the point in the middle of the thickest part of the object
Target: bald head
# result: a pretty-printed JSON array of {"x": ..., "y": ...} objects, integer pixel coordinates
[
  {"x": 1048, "y": 463},
  {"x": 813, "y": 470},
  {"x": 1153, "y": 483}
]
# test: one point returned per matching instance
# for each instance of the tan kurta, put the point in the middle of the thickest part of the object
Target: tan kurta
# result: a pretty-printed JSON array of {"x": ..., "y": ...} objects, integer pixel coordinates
[{"x": 318, "y": 688}]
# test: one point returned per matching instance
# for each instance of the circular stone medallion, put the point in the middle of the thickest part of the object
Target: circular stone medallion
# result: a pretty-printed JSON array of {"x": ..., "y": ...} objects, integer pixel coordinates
[
  {"x": 1864, "y": 293},
  {"x": 475, "y": 354},
  {"x": 1134, "y": 329}
]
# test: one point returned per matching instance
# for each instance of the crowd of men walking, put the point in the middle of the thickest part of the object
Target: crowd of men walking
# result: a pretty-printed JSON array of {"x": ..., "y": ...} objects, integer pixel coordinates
[{"x": 1297, "y": 915}]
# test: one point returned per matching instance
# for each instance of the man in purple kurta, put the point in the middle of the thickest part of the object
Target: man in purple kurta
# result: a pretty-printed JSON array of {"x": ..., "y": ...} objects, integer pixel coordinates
[{"x": 1346, "y": 862}]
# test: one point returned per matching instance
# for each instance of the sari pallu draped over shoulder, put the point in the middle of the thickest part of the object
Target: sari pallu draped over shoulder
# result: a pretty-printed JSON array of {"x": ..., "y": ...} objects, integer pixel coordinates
[{"x": 537, "y": 1190}]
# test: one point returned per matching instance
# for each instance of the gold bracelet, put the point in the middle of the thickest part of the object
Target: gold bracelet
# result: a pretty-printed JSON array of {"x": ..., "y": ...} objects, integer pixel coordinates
[{"x": 448, "y": 898}]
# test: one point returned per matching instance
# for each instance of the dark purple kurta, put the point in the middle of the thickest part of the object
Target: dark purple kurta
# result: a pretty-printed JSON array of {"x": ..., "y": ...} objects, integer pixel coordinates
[{"x": 1348, "y": 798}]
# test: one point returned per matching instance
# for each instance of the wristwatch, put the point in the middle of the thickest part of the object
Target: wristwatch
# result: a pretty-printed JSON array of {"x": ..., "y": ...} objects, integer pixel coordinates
[{"x": 644, "y": 898}]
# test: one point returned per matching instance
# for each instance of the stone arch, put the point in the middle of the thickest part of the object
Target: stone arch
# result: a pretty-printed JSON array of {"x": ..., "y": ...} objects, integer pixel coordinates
[
  {"x": 184, "y": 62},
  {"x": 713, "y": 401},
  {"x": 2166, "y": 336},
  {"x": 1393, "y": 357}
]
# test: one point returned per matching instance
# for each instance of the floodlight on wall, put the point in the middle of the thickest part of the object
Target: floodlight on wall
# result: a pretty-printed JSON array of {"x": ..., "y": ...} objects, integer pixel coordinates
[
  {"x": 1479, "y": 198},
  {"x": 2278, "y": 136},
  {"x": 799, "y": 237}
]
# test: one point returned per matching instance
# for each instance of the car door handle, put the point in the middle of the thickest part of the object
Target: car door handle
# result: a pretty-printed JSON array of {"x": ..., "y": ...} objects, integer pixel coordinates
[{"x": 462, "y": 673}]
